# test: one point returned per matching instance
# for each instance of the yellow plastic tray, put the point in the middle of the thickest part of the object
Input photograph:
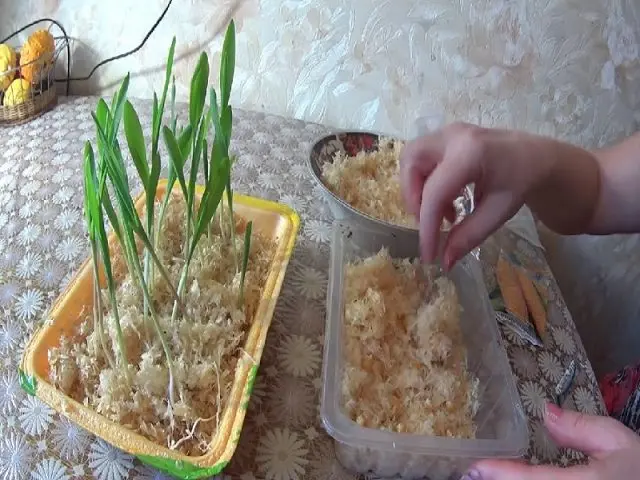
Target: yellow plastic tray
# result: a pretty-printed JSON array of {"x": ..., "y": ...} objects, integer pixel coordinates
[{"x": 271, "y": 219}]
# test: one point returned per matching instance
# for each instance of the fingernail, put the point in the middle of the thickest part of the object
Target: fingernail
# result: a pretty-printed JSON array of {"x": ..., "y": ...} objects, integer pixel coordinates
[
  {"x": 553, "y": 412},
  {"x": 472, "y": 475}
]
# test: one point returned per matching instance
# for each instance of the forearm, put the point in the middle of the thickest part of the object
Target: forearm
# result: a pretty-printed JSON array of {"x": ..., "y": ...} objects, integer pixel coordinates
[
  {"x": 618, "y": 207},
  {"x": 566, "y": 198},
  {"x": 589, "y": 192}
]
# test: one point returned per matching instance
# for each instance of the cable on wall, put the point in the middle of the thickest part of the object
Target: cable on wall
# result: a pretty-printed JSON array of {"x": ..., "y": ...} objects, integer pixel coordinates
[{"x": 68, "y": 79}]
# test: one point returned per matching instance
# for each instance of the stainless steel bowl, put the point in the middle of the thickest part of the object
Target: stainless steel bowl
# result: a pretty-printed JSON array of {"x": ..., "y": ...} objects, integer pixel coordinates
[{"x": 351, "y": 143}]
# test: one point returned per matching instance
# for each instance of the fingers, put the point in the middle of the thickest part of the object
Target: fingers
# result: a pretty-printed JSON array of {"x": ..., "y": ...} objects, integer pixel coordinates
[
  {"x": 417, "y": 161},
  {"x": 458, "y": 168},
  {"x": 592, "y": 435},
  {"x": 512, "y": 470},
  {"x": 487, "y": 217}
]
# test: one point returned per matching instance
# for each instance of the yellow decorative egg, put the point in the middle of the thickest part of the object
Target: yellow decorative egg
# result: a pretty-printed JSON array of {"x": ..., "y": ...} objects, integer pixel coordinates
[
  {"x": 18, "y": 92},
  {"x": 8, "y": 53},
  {"x": 6, "y": 73},
  {"x": 36, "y": 54},
  {"x": 7, "y": 65}
]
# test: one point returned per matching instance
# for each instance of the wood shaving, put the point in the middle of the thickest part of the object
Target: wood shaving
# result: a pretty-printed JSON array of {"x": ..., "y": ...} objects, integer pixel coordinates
[{"x": 405, "y": 366}]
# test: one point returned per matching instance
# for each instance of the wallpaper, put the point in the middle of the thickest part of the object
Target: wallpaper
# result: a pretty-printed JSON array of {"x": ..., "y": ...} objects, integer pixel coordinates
[{"x": 566, "y": 68}]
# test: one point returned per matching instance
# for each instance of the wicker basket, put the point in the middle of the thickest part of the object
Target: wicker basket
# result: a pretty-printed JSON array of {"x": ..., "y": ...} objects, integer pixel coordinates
[{"x": 41, "y": 96}]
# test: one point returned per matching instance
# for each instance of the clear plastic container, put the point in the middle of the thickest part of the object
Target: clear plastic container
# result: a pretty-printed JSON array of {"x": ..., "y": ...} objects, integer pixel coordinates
[{"x": 502, "y": 430}]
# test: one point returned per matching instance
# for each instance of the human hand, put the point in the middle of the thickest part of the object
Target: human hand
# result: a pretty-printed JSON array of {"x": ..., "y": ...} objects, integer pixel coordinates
[
  {"x": 613, "y": 450},
  {"x": 435, "y": 168}
]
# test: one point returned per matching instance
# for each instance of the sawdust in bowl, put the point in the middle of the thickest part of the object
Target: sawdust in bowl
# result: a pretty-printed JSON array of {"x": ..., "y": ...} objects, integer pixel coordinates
[
  {"x": 206, "y": 345},
  {"x": 369, "y": 182}
]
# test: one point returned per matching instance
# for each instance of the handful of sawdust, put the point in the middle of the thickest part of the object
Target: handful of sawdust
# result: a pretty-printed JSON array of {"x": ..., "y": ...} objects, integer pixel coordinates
[
  {"x": 405, "y": 362},
  {"x": 369, "y": 182}
]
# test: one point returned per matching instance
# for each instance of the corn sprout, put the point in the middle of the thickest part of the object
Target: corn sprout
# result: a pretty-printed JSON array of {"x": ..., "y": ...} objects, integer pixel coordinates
[{"x": 107, "y": 194}]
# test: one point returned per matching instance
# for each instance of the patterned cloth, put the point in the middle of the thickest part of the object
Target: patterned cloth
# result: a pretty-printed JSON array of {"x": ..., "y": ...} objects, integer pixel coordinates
[
  {"x": 621, "y": 392},
  {"x": 42, "y": 243}
]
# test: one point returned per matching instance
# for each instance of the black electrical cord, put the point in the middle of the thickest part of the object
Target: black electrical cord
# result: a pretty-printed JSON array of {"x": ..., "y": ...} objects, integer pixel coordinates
[{"x": 68, "y": 78}]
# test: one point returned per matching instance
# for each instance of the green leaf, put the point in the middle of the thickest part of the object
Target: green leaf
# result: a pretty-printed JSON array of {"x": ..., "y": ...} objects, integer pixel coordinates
[
  {"x": 167, "y": 75},
  {"x": 154, "y": 174},
  {"x": 88, "y": 182},
  {"x": 156, "y": 120},
  {"x": 180, "y": 469},
  {"x": 226, "y": 120},
  {"x": 175, "y": 156},
  {"x": 135, "y": 140},
  {"x": 184, "y": 141},
  {"x": 219, "y": 137},
  {"x": 116, "y": 109},
  {"x": 227, "y": 65},
  {"x": 245, "y": 259},
  {"x": 210, "y": 200},
  {"x": 195, "y": 165},
  {"x": 28, "y": 382},
  {"x": 174, "y": 117},
  {"x": 205, "y": 161},
  {"x": 102, "y": 114},
  {"x": 198, "y": 92}
]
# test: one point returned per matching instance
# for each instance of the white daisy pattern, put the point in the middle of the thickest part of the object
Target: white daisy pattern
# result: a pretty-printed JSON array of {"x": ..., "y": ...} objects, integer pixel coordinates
[
  {"x": 28, "y": 210},
  {"x": 63, "y": 196},
  {"x": 29, "y": 188},
  {"x": 281, "y": 455},
  {"x": 47, "y": 241},
  {"x": 28, "y": 235},
  {"x": 300, "y": 315},
  {"x": 29, "y": 265},
  {"x": 310, "y": 282},
  {"x": 69, "y": 249},
  {"x": 269, "y": 180},
  {"x": 524, "y": 363},
  {"x": 15, "y": 457},
  {"x": 585, "y": 402},
  {"x": 50, "y": 469},
  {"x": 550, "y": 366},
  {"x": 10, "y": 335},
  {"x": 292, "y": 402},
  {"x": 35, "y": 417},
  {"x": 28, "y": 304},
  {"x": 70, "y": 440},
  {"x": 318, "y": 231},
  {"x": 10, "y": 392},
  {"x": 8, "y": 292},
  {"x": 50, "y": 275},
  {"x": 533, "y": 398},
  {"x": 66, "y": 219},
  {"x": 564, "y": 340},
  {"x": 107, "y": 462},
  {"x": 299, "y": 356}
]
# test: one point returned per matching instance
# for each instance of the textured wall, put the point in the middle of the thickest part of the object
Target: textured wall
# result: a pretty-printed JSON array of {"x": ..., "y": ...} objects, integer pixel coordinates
[{"x": 568, "y": 68}]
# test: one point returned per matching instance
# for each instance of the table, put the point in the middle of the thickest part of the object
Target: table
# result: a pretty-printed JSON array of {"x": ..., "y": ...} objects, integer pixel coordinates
[{"x": 42, "y": 244}]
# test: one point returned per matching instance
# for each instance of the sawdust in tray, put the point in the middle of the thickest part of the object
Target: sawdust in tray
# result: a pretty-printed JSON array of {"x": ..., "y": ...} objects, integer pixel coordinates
[
  {"x": 206, "y": 345},
  {"x": 405, "y": 366}
]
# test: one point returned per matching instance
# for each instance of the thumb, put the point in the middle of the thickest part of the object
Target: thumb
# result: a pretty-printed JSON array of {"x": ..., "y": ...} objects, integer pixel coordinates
[
  {"x": 589, "y": 434},
  {"x": 514, "y": 470}
]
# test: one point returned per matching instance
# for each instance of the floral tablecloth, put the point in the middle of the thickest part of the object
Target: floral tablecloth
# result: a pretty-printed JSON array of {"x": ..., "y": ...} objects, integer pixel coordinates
[{"x": 42, "y": 243}]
